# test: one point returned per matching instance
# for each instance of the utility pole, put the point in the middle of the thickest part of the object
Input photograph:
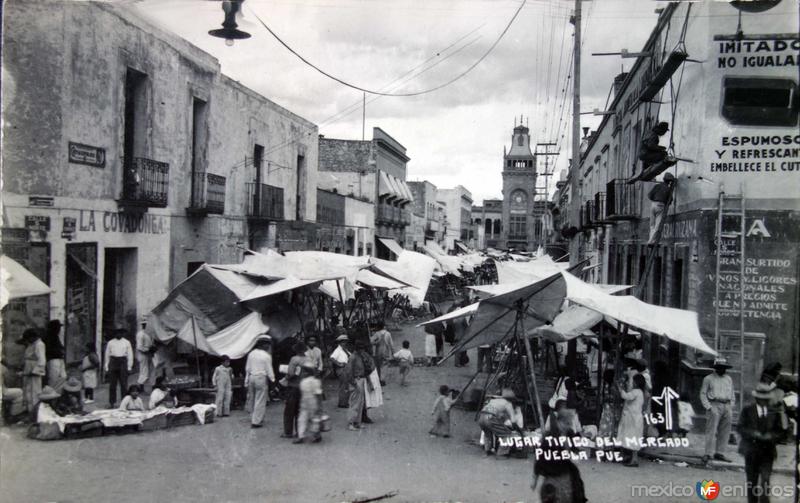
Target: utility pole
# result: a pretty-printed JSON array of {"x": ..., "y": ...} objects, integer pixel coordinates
[
  {"x": 575, "y": 182},
  {"x": 363, "y": 115}
]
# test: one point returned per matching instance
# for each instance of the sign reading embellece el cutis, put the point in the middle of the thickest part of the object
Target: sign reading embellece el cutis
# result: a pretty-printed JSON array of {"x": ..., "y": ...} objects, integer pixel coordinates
[{"x": 87, "y": 155}]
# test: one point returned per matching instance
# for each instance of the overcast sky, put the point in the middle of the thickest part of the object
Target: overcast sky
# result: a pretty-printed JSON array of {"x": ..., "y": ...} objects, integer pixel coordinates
[{"x": 454, "y": 135}]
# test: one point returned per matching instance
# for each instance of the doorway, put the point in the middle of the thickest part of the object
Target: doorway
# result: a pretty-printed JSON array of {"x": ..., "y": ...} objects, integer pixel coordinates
[
  {"x": 119, "y": 290},
  {"x": 81, "y": 299}
]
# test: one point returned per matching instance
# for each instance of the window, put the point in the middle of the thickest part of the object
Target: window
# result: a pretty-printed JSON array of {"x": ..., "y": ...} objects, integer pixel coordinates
[
  {"x": 517, "y": 227},
  {"x": 488, "y": 226},
  {"x": 636, "y": 142},
  {"x": 133, "y": 141},
  {"x": 520, "y": 141},
  {"x": 301, "y": 169},
  {"x": 759, "y": 101},
  {"x": 498, "y": 227}
]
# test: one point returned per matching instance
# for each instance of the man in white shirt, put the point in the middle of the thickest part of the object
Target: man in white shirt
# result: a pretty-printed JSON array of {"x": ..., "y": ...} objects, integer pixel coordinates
[
  {"x": 258, "y": 370},
  {"x": 144, "y": 354},
  {"x": 314, "y": 353},
  {"x": 339, "y": 359},
  {"x": 118, "y": 363}
]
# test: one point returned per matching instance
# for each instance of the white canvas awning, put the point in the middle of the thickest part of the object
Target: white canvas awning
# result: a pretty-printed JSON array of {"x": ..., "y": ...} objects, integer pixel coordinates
[
  {"x": 570, "y": 323},
  {"x": 676, "y": 324},
  {"x": 369, "y": 278},
  {"x": 461, "y": 312},
  {"x": 18, "y": 282},
  {"x": 280, "y": 286},
  {"x": 393, "y": 246}
]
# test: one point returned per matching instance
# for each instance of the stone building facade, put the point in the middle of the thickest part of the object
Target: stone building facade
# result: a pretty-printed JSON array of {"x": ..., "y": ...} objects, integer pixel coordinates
[
  {"x": 129, "y": 163},
  {"x": 734, "y": 129},
  {"x": 375, "y": 171}
]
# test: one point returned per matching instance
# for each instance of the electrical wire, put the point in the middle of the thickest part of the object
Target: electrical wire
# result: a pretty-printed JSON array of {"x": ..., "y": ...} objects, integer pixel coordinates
[
  {"x": 416, "y": 93},
  {"x": 353, "y": 107}
]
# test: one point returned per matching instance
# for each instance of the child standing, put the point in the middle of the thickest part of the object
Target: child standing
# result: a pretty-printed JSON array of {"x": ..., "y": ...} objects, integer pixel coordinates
[
  {"x": 441, "y": 411},
  {"x": 132, "y": 400},
  {"x": 222, "y": 380},
  {"x": 89, "y": 365},
  {"x": 685, "y": 415},
  {"x": 310, "y": 403},
  {"x": 406, "y": 360}
]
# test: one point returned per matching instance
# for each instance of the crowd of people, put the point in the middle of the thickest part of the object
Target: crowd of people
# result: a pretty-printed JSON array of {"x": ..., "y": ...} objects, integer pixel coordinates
[{"x": 358, "y": 362}]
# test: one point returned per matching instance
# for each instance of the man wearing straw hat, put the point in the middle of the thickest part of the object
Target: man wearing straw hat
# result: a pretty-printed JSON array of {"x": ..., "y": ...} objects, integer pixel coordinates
[
  {"x": 716, "y": 394},
  {"x": 761, "y": 427}
]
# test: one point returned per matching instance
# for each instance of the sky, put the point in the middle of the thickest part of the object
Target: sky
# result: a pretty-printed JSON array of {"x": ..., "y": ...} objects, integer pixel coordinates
[{"x": 454, "y": 135}]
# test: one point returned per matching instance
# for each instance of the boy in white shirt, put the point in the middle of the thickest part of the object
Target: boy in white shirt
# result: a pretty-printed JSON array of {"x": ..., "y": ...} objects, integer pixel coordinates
[{"x": 406, "y": 360}]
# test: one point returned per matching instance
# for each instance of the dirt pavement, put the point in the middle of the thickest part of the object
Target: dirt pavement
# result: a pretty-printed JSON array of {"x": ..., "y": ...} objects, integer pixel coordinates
[{"x": 229, "y": 461}]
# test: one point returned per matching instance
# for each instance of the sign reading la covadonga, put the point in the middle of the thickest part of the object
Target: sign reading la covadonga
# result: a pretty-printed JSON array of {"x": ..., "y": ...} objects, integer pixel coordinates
[{"x": 112, "y": 221}]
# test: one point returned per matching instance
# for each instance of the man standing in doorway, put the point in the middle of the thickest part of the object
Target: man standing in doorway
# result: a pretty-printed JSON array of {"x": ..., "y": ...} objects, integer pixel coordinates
[
  {"x": 144, "y": 354},
  {"x": 54, "y": 352},
  {"x": 717, "y": 397},
  {"x": 118, "y": 363}
]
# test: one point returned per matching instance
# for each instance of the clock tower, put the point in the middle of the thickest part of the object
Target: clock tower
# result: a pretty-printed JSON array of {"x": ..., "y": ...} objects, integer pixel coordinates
[{"x": 519, "y": 183}]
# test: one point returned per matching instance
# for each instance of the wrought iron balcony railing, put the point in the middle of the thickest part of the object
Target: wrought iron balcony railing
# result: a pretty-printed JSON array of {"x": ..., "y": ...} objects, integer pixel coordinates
[
  {"x": 145, "y": 182},
  {"x": 622, "y": 200}
]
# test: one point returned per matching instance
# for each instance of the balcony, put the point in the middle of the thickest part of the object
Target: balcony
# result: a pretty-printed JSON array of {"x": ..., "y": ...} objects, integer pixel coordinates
[
  {"x": 599, "y": 209},
  {"x": 264, "y": 201},
  {"x": 392, "y": 215},
  {"x": 622, "y": 200},
  {"x": 208, "y": 194},
  {"x": 145, "y": 183},
  {"x": 587, "y": 216}
]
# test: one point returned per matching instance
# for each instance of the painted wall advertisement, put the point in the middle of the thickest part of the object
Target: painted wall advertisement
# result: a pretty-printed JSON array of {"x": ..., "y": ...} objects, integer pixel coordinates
[{"x": 768, "y": 302}]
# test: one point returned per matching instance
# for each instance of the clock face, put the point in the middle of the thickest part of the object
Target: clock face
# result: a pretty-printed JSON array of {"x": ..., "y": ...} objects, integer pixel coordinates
[{"x": 519, "y": 198}]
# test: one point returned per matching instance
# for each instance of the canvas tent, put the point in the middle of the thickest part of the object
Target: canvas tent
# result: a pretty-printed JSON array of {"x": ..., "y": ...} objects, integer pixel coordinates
[
  {"x": 208, "y": 310},
  {"x": 414, "y": 269},
  {"x": 543, "y": 300}
]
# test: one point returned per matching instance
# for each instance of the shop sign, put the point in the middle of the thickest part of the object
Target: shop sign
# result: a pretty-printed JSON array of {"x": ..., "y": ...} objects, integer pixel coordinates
[
  {"x": 37, "y": 223},
  {"x": 14, "y": 235},
  {"x": 69, "y": 227},
  {"x": 87, "y": 155},
  {"x": 40, "y": 201}
]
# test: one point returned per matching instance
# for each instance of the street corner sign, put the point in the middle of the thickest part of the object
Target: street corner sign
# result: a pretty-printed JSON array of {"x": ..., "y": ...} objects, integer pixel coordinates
[{"x": 87, "y": 155}]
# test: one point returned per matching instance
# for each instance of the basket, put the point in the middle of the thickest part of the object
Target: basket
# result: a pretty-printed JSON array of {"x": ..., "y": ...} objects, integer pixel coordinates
[
  {"x": 158, "y": 422},
  {"x": 324, "y": 422},
  {"x": 183, "y": 418}
]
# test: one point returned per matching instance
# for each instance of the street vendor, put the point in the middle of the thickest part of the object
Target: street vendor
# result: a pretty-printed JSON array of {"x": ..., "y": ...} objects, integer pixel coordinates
[
  {"x": 70, "y": 401},
  {"x": 496, "y": 419},
  {"x": 42, "y": 428},
  {"x": 144, "y": 353},
  {"x": 161, "y": 396}
]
